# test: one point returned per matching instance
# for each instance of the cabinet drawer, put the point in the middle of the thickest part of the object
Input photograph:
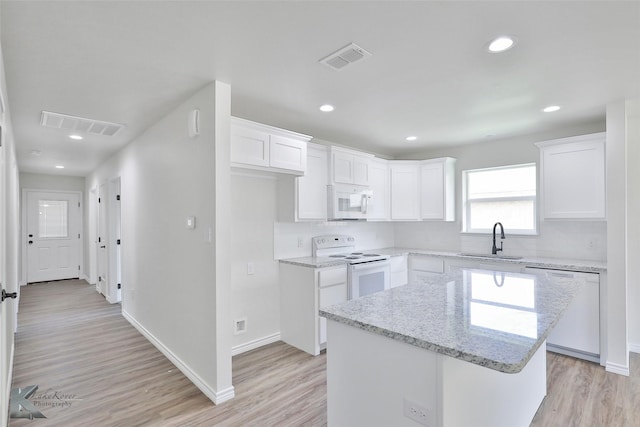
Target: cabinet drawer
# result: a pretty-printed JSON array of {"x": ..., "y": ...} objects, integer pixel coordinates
[
  {"x": 330, "y": 295},
  {"x": 398, "y": 263},
  {"x": 333, "y": 276},
  {"x": 429, "y": 264}
]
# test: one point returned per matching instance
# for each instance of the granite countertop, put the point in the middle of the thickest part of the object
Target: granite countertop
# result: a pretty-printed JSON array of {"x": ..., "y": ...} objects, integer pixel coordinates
[
  {"x": 465, "y": 314},
  {"x": 551, "y": 263}
]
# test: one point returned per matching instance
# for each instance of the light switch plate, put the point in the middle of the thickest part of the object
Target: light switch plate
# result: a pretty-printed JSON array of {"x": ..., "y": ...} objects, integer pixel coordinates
[{"x": 191, "y": 222}]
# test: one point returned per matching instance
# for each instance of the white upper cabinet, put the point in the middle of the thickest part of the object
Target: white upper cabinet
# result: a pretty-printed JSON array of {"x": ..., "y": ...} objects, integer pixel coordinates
[
  {"x": 349, "y": 167},
  {"x": 379, "y": 184},
  {"x": 311, "y": 189},
  {"x": 572, "y": 175},
  {"x": 258, "y": 146},
  {"x": 405, "y": 183},
  {"x": 437, "y": 189}
]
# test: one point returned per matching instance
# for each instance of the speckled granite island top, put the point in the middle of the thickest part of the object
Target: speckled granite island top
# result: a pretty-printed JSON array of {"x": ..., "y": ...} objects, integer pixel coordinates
[{"x": 493, "y": 319}]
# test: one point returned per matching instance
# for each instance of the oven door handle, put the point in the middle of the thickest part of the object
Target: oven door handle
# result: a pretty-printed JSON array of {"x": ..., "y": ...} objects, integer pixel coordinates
[{"x": 370, "y": 265}]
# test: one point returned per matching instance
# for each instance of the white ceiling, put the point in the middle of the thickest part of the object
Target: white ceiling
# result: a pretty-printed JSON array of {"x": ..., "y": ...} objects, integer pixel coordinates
[{"x": 429, "y": 76}]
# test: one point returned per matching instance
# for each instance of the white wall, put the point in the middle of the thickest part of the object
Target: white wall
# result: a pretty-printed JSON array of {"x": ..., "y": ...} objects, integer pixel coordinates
[
  {"x": 633, "y": 223},
  {"x": 255, "y": 297},
  {"x": 169, "y": 272},
  {"x": 560, "y": 239},
  {"x": 33, "y": 181}
]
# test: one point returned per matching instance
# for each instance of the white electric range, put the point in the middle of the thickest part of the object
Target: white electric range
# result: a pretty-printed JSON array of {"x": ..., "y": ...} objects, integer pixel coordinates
[{"x": 367, "y": 273}]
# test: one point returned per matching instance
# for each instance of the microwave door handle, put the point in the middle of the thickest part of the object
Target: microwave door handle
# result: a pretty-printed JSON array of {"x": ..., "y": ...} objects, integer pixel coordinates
[{"x": 364, "y": 205}]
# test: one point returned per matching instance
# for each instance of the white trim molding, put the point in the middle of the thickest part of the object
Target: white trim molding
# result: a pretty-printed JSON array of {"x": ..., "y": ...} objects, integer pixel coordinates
[
  {"x": 216, "y": 397},
  {"x": 617, "y": 369},
  {"x": 252, "y": 345},
  {"x": 634, "y": 348}
]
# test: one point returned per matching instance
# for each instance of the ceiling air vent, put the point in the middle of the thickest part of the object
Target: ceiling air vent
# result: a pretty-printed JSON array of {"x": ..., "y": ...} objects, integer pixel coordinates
[
  {"x": 349, "y": 54},
  {"x": 79, "y": 124}
]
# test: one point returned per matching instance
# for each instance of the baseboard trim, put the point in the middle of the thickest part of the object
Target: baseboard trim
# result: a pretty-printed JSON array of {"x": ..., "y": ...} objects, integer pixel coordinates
[
  {"x": 252, "y": 345},
  {"x": 617, "y": 369},
  {"x": 5, "y": 409},
  {"x": 216, "y": 397},
  {"x": 634, "y": 348},
  {"x": 85, "y": 278}
]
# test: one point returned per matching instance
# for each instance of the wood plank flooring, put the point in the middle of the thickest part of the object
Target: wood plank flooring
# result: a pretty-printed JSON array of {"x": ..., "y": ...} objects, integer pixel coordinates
[{"x": 70, "y": 341}]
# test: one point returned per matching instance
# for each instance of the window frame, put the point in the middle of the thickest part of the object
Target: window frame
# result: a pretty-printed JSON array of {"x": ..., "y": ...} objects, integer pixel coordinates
[{"x": 466, "y": 205}]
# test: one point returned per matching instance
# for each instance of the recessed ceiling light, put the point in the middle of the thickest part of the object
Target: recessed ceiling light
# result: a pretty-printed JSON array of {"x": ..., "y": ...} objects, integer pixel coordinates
[
  {"x": 551, "y": 108},
  {"x": 36, "y": 152},
  {"x": 411, "y": 138},
  {"x": 59, "y": 167},
  {"x": 326, "y": 108},
  {"x": 501, "y": 44},
  {"x": 78, "y": 137}
]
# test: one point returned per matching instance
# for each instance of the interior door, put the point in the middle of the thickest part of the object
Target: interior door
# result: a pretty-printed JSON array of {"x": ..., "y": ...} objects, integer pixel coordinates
[
  {"x": 53, "y": 236},
  {"x": 5, "y": 331},
  {"x": 103, "y": 274}
]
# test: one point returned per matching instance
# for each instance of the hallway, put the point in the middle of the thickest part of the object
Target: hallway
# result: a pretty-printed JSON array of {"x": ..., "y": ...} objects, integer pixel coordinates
[{"x": 93, "y": 368}]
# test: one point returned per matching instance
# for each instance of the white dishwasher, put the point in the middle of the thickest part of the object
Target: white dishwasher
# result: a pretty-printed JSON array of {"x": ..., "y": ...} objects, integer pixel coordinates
[{"x": 578, "y": 331}]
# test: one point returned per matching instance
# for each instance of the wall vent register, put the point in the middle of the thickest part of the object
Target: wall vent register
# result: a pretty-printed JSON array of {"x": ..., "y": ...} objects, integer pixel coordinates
[{"x": 79, "y": 124}]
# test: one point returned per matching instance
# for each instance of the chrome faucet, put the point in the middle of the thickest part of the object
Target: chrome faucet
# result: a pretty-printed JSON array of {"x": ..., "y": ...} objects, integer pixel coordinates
[{"x": 495, "y": 249}]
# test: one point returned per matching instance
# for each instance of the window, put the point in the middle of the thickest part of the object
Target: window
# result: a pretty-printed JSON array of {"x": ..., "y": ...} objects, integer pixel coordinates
[
  {"x": 53, "y": 221},
  {"x": 505, "y": 194}
]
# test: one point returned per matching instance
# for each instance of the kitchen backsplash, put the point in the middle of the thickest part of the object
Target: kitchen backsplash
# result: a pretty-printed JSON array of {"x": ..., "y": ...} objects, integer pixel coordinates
[
  {"x": 584, "y": 240},
  {"x": 293, "y": 239}
]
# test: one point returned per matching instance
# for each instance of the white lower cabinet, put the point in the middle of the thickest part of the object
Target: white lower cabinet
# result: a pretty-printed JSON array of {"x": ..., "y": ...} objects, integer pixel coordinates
[
  {"x": 578, "y": 331},
  {"x": 422, "y": 267},
  {"x": 482, "y": 264},
  {"x": 399, "y": 271},
  {"x": 303, "y": 291}
]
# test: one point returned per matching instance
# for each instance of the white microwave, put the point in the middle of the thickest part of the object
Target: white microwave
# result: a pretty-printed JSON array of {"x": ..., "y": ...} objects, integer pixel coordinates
[{"x": 348, "y": 201}]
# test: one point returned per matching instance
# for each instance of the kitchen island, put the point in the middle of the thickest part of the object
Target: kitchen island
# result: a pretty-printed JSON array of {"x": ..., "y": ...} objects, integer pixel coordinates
[{"x": 465, "y": 349}]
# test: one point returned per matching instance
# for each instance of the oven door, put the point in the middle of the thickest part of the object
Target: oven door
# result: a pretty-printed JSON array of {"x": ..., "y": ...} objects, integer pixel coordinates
[{"x": 368, "y": 278}]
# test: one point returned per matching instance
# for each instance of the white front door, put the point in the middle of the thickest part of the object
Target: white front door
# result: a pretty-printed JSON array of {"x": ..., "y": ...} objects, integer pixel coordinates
[{"x": 53, "y": 236}]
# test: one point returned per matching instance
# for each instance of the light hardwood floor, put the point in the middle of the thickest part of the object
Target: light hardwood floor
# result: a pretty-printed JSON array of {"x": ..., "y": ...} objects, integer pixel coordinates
[{"x": 71, "y": 341}]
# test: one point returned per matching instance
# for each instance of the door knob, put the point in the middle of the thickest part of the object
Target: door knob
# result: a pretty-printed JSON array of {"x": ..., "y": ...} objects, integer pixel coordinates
[
  {"x": 6, "y": 295},
  {"x": 30, "y": 235},
  {"x": 31, "y": 242},
  {"x": 102, "y": 247}
]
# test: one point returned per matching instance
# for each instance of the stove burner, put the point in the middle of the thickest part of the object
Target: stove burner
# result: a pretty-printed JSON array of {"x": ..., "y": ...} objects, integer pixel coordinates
[
  {"x": 357, "y": 253},
  {"x": 337, "y": 256},
  {"x": 352, "y": 257},
  {"x": 371, "y": 255}
]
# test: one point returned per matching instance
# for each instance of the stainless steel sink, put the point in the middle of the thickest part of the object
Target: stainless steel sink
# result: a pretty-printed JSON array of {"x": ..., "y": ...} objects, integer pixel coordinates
[{"x": 490, "y": 256}]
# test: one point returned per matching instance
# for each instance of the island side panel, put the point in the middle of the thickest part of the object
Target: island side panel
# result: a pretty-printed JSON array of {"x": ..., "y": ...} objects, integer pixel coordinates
[
  {"x": 369, "y": 376},
  {"x": 298, "y": 308},
  {"x": 481, "y": 397}
]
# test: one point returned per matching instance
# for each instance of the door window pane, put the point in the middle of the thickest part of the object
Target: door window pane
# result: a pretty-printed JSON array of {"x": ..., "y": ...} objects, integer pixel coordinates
[{"x": 53, "y": 218}]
